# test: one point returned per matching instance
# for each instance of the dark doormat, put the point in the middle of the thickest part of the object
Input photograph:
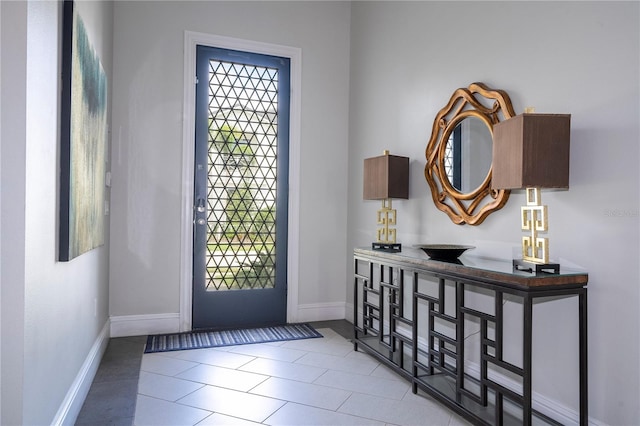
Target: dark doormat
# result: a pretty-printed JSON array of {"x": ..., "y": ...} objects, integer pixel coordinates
[{"x": 210, "y": 339}]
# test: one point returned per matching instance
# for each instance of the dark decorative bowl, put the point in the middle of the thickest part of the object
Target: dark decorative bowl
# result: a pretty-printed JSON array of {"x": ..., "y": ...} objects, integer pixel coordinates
[{"x": 447, "y": 252}]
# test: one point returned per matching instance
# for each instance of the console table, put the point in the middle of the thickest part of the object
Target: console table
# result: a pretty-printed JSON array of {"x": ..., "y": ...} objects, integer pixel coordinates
[{"x": 411, "y": 313}]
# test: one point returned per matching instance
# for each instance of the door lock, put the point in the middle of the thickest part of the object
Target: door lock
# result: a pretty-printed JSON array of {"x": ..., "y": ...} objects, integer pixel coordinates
[{"x": 200, "y": 205}]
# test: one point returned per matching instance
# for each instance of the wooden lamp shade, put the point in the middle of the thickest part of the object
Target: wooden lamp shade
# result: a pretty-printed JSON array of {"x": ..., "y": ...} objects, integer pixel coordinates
[
  {"x": 386, "y": 176},
  {"x": 531, "y": 150}
]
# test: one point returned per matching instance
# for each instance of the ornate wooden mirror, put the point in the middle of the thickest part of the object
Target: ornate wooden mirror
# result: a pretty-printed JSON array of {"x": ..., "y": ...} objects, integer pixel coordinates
[{"x": 459, "y": 154}]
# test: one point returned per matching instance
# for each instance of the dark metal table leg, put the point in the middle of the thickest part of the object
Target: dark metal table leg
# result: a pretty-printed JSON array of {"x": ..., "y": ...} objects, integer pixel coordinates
[
  {"x": 584, "y": 368},
  {"x": 527, "y": 354}
]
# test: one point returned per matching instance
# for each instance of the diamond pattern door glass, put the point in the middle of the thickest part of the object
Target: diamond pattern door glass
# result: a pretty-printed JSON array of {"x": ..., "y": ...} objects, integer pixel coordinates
[
  {"x": 241, "y": 184},
  {"x": 448, "y": 158}
]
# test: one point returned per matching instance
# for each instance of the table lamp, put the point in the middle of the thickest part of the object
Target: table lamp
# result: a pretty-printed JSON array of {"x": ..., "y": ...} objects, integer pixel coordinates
[
  {"x": 386, "y": 177},
  {"x": 531, "y": 151}
]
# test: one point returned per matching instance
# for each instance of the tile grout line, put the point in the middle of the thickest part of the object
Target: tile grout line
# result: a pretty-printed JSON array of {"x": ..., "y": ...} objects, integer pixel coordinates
[{"x": 286, "y": 403}]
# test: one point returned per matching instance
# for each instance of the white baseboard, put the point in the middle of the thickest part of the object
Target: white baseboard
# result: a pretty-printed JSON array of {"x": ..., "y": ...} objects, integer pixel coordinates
[
  {"x": 72, "y": 404},
  {"x": 140, "y": 325},
  {"x": 321, "y": 312},
  {"x": 348, "y": 312}
]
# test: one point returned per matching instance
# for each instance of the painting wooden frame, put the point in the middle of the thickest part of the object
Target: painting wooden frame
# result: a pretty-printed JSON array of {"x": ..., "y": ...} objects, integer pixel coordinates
[{"x": 83, "y": 140}]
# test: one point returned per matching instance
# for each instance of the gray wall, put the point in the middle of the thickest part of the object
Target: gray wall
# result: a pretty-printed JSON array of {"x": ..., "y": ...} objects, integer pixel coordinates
[
  {"x": 52, "y": 312},
  {"x": 581, "y": 58}
]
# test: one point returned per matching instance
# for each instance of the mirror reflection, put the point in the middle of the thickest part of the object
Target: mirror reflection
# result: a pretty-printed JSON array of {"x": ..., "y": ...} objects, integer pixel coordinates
[{"x": 467, "y": 157}]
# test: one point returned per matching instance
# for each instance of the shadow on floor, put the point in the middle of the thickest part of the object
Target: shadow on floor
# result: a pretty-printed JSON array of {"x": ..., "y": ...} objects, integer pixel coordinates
[{"x": 112, "y": 397}]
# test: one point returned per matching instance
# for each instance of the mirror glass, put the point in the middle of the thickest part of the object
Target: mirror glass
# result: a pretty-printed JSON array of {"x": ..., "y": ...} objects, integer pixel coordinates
[{"x": 468, "y": 154}]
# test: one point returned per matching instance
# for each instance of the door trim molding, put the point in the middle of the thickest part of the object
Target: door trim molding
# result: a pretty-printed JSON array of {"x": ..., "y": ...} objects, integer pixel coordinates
[{"x": 191, "y": 40}]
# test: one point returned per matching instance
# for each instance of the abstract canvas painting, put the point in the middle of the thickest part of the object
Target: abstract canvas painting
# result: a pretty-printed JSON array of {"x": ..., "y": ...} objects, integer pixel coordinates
[{"x": 83, "y": 141}]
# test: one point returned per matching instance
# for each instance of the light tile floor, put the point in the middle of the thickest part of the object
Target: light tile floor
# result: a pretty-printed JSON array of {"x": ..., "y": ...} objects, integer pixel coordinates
[{"x": 303, "y": 382}]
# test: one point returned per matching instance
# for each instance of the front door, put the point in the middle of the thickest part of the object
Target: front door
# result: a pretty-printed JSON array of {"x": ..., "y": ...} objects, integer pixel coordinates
[{"x": 241, "y": 189}]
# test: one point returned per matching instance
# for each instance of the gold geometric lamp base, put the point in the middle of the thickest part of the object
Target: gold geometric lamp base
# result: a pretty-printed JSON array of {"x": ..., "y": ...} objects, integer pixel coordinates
[
  {"x": 386, "y": 235},
  {"x": 535, "y": 249}
]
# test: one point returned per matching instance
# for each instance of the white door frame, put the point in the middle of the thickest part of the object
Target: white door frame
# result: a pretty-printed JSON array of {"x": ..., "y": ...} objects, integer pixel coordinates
[{"x": 191, "y": 40}]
